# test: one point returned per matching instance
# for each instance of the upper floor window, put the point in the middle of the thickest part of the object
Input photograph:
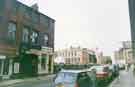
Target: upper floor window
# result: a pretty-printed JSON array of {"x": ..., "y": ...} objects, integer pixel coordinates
[
  {"x": 25, "y": 35},
  {"x": 46, "y": 39},
  {"x": 34, "y": 37},
  {"x": 44, "y": 20},
  {"x": 35, "y": 17},
  {"x": 12, "y": 31}
]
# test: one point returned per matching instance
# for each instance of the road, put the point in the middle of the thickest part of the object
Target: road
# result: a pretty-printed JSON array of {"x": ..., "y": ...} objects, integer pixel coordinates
[{"x": 126, "y": 79}]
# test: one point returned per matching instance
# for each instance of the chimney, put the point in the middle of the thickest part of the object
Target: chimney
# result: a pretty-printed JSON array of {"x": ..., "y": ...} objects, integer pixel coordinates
[{"x": 35, "y": 6}]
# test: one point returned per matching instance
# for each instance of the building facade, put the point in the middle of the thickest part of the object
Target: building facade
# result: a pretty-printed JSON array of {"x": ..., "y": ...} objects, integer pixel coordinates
[
  {"x": 26, "y": 40},
  {"x": 106, "y": 60},
  {"x": 99, "y": 56},
  {"x": 132, "y": 23},
  {"x": 77, "y": 55},
  {"x": 124, "y": 54}
]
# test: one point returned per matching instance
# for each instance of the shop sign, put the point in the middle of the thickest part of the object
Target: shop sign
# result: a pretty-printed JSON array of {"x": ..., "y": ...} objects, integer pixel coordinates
[{"x": 2, "y": 57}]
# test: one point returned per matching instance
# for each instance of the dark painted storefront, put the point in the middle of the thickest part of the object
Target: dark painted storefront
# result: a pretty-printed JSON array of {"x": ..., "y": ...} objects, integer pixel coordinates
[
  {"x": 29, "y": 65},
  {"x": 30, "y": 29}
]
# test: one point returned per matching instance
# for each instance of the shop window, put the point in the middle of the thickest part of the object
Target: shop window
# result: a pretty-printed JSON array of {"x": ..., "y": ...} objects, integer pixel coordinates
[
  {"x": 43, "y": 62},
  {"x": 6, "y": 67},
  {"x": 12, "y": 31},
  {"x": 0, "y": 66},
  {"x": 25, "y": 35},
  {"x": 50, "y": 63}
]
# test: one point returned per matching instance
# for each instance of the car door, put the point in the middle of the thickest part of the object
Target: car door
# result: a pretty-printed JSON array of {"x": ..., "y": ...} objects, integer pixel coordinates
[
  {"x": 84, "y": 80},
  {"x": 92, "y": 75}
]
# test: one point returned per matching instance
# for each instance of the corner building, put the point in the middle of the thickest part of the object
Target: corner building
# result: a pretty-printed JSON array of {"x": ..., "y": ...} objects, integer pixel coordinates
[
  {"x": 132, "y": 23},
  {"x": 26, "y": 40}
]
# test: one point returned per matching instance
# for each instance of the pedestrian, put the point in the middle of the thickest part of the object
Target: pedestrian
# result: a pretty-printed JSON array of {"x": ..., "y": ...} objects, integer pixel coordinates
[{"x": 127, "y": 67}]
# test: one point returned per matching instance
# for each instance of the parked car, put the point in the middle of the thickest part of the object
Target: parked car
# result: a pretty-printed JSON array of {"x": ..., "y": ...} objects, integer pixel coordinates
[
  {"x": 73, "y": 78},
  {"x": 121, "y": 66},
  {"x": 115, "y": 69},
  {"x": 103, "y": 73}
]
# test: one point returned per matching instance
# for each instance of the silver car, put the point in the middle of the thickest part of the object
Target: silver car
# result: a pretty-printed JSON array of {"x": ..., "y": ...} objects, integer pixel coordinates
[{"x": 73, "y": 78}]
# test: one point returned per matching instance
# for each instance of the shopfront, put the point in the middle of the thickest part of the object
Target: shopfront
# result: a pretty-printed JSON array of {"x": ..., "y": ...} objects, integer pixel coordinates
[
  {"x": 6, "y": 66},
  {"x": 44, "y": 64}
]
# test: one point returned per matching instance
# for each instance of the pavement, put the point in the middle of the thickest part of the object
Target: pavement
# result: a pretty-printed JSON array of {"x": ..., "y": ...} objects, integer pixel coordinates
[
  {"x": 125, "y": 79},
  {"x": 7, "y": 83}
]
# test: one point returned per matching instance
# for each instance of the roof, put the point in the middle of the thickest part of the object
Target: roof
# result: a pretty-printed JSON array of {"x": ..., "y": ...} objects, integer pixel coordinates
[
  {"x": 28, "y": 7},
  {"x": 74, "y": 71}
]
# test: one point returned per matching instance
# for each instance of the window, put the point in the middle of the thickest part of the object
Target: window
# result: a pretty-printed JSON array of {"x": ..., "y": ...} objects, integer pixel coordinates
[
  {"x": 27, "y": 13},
  {"x": 0, "y": 66},
  {"x": 46, "y": 39},
  {"x": 14, "y": 9},
  {"x": 44, "y": 20},
  {"x": 35, "y": 17},
  {"x": 43, "y": 63},
  {"x": 25, "y": 35},
  {"x": 6, "y": 67},
  {"x": 12, "y": 31},
  {"x": 34, "y": 37},
  {"x": 72, "y": 54},
  {"x": 75, "y": 53}
]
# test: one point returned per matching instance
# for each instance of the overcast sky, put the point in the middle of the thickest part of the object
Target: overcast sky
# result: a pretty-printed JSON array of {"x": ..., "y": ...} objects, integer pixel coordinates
[{"x": 99, "y": 24}]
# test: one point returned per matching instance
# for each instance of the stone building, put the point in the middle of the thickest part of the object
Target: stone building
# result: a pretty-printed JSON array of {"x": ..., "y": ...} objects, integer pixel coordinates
[
  {"x": 26, "y": 40},
  {"x": 124, "y": 54},
  {"x": 77, "y": 55}
]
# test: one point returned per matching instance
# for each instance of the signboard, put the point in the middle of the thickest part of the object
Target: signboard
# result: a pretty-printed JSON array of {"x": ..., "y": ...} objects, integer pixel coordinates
[{"x": 2, "y": 57}]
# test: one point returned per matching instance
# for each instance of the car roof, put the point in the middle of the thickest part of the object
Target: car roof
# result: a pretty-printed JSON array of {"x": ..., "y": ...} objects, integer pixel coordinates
[
  {"x": 101, "y": 66},
  {"x": 74, "y": 71}
]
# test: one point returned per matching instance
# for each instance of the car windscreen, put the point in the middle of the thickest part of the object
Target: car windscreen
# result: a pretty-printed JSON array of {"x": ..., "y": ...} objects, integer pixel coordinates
[
  {"x": 65, "y": 77},
  {"x": 99, "y": 69}
]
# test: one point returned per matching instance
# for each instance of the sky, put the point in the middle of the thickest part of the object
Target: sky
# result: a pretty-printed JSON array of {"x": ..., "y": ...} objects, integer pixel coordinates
[{"x": 101, "y": 24}]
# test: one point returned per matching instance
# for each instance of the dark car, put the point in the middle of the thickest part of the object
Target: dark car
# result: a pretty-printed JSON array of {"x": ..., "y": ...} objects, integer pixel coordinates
[{"x": 73, "y": 78}]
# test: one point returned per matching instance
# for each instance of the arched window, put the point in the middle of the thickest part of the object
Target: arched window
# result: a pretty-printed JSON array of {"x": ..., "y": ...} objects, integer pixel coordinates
[
  {"x": 46, "y": 39},
  {"x": 12, "y": 31},
  {"x": 25, "y": 35},
  {"x": 34, "y": 37}
]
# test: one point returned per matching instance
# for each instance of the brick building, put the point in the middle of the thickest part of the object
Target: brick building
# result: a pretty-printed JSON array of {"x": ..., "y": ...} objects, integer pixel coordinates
[{"x": 26, "y": 40}]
